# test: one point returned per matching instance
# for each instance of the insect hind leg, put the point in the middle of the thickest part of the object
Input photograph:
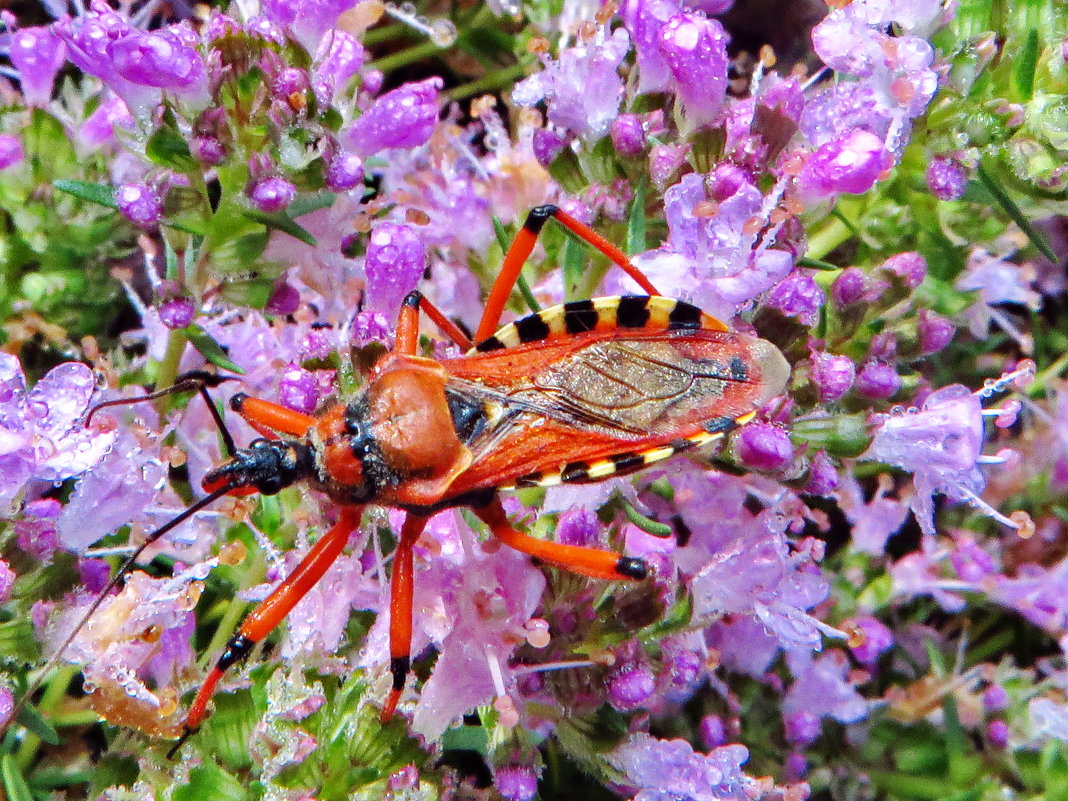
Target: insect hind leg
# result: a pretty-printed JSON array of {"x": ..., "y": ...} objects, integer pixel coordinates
[{"x": 520, "y": 251}]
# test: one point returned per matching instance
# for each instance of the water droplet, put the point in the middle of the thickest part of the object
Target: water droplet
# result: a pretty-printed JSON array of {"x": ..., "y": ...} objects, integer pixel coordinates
[{"x": 443, "y": 32}]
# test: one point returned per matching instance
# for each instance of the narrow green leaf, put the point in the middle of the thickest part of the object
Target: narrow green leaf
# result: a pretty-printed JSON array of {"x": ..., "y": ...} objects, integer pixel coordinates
[
  {"x": 646, "y": 524},
  {"x": 306, "y": 204},
  {"x": 281, "y": 222},
  {"x": 210, "y": 349},
  {"x": 817, "y": 264},
  {"x": 168, "y": 148},
  {"x": 574, "y": 265},
  {"x": 94, "y": 193},
  {"x": 1015, "y": 213},
  {"x": 636, "y": 242},
  {"x": 36, "y": 723},
  {"x": 15, "y": 787},
  {"x": 1024, "y": 63},
  {"x": 171, "y": 259}
]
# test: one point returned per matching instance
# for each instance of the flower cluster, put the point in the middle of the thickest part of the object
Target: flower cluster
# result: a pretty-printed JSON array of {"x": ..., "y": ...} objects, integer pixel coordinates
[{"x": 873, "y": 562}]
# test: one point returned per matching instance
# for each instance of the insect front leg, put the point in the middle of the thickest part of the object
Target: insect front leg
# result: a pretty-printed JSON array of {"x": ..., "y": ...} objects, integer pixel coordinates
[
  {"x": 400, "y": 610},
  {"x": 263, "y": 619},
  {"x": 591, "y": 562},
  {"x": 520, "y": 251},
  {"x": 270, "y": 419}
]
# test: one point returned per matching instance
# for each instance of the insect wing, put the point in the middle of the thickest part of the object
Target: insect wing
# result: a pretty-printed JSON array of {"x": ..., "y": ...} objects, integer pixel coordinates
[{"x": 585, "y": 407}]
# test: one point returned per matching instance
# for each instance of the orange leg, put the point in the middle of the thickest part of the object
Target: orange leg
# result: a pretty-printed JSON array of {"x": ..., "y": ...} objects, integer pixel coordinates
[
  {"x": 407, "y": 334},
  {"x": 269, "y": 418},
  {"x": 400, "y": 611},
  {"x": 262, "y": 620},
  {"x": 591, "y": 562},
  {"x": 520, "y": 251}
]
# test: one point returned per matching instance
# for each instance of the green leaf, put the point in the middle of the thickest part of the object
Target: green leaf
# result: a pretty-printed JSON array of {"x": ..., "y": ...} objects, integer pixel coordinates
[
  {"x": 94, "y": 193},
  {"x": 168, "y": 148},
  {"x": 210, "y": 781},
  {"x": 466, "y": 738},
  {"x": 15, "y": 787},
  {"x": 171, "y": 260},
  {"x": 210, "y": 349},
  {"x": 1024, "y": 63},
  {"x": 636, "y": 242},
  {"x": 281, "y": 222},
  {"x": 306, "y": 204},
  {"x": 36, "y": 723},
  {"x": 574, "y": 265},
  {"x": 1015, "y": 213}
]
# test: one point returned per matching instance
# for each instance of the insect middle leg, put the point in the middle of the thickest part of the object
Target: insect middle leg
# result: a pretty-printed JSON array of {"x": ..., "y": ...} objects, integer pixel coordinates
[
  {"x": 520, "y": 251},
  {"x": 262, "y": 620},
  {"x": 591, "y": 562},
  {"x": 400, "y": 610}
]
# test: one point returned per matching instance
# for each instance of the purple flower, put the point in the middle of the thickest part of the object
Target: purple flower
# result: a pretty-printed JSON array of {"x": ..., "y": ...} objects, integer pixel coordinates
[
  {"x": 822, "y": 688},
  {"x": 670, "y": 769},
  {"x": 36, "y": 532},
  {"x": 37, "y": 54},
  {"x": 712, "y": 259},
  {"x": 910, "y": 267},
  {"x": 339, "y": 60},
  {"x": 516, "y": 782},
  {"x": 997, "y": 281},
  {"x": 798, "y": 295},
  {"x": 272, "y": 195},
  {"x": 878, "y": 380},
  {"x": 764, "y": 446},
  {"x": 208, "y": 150},
  {"x": 583, "y": 88},
  {"x": 1048, "y": 718},
  {"x": 307, "y": 20},
  {"x": 298, "y": 389},
  {"x": 645, "y": 19},
  {"x": 117, "y": 493},
  {"x": 345, "y": 172},
  {"x": 935, "y": 331},
  {"x": 628, "y": 136},
  {"x": 98, "y": 129},
  {"x": 546, "y": 145},
  {"x": 851, "y": 163},
  {"x": 404, "y": 117},
  {"x": 939, "y": 445},
  {"x": 946, "y": 178},
  {"x": 875, "y": 640},
  {"x": 140, "y": 204},
  {"x": 7, "y": 581},
  {"x": 695, "y": 50},
  {"x": 971, "y": 562},
  {"x": 631, "y": 687},
  {"x": 289, "y": 82},
  {"x": 41, "y": 431},
  {"x": 995, "y": 698},
  {"x": 394, "y": 264},
  {"x": 7, "y": 705},
  {"x": 873, "y": 522},
  {"x": 833, "y": 375},
  {"x": 163, "y": 59},
  {"x": 11, "y": 152},
  {"x": 579, "y": 527},
  {"x": 285, "y": 299},
  {"x": 713, "y": 731},
  {"x": 997, "y": 731},
  {"x": 802, "y": 728},
  {"x": 177, "y": 312},
  {"x": 822, "y": 475},
  {"x": 848, "y": 287}
]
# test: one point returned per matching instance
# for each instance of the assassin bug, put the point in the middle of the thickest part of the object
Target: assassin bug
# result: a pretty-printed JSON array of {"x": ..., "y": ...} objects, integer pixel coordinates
[{"x": 575, "y": 393}]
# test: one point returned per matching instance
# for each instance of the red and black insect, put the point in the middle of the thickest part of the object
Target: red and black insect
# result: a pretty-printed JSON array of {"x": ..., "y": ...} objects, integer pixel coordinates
[{"x": 574, "y": 393}]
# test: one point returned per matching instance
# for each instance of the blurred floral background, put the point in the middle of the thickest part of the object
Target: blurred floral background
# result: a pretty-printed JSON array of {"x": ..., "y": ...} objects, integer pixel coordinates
[{"x": 863, "y": 594}]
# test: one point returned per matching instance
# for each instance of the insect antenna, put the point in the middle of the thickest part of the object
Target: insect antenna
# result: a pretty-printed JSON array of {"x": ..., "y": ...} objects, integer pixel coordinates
[
  {"x": 123, "y": 570},
  {"x": 199, "y": 380}
]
